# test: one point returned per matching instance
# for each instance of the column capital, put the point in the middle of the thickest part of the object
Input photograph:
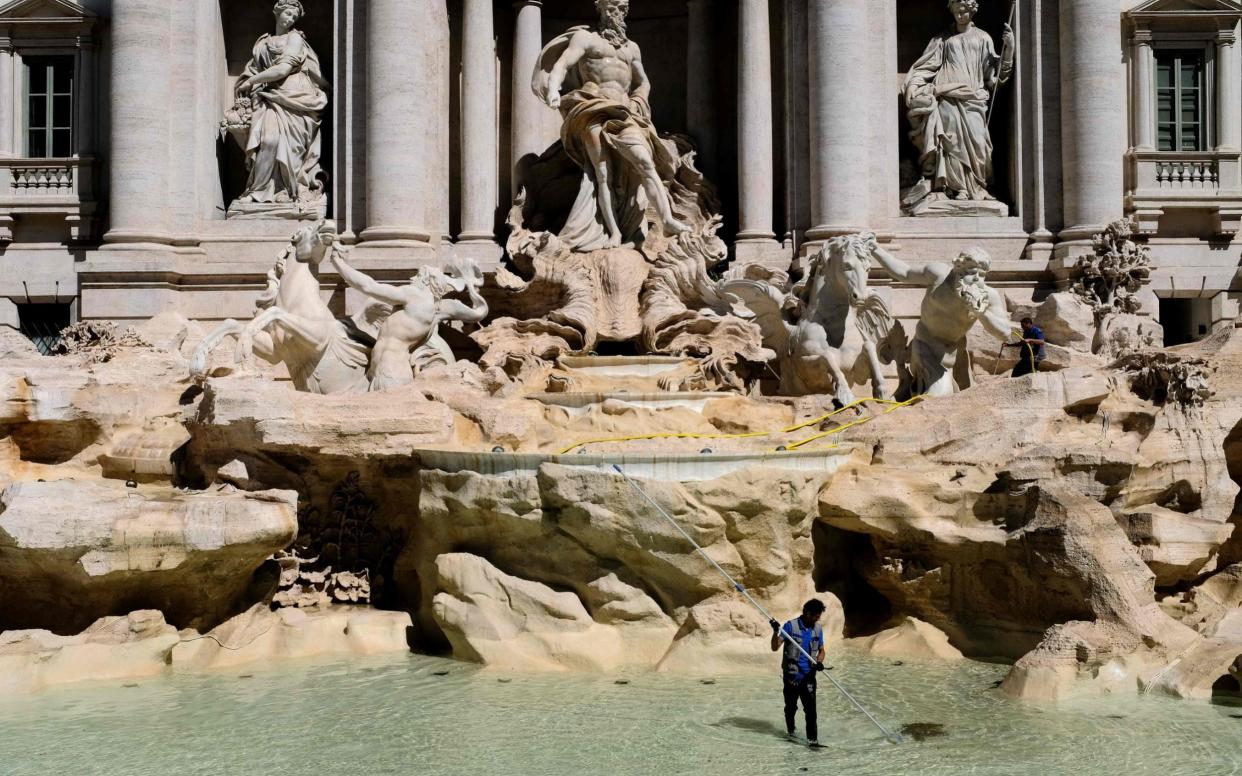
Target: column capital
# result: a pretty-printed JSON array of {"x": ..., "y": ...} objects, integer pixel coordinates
[
  {"x": 1143, "y": 37},
  {"x": 1226, "y": 38}
]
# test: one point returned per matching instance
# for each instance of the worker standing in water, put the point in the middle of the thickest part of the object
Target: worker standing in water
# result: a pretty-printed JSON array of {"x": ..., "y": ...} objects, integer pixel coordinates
[{"x": 797, "y": 671}]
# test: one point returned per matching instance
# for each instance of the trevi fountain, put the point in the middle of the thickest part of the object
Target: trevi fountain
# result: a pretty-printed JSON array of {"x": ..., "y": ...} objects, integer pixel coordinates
[{"x": 457, "y": 386}]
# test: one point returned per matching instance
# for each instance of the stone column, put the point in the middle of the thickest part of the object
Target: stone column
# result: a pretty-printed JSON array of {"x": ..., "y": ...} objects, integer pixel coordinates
[
  {"x": 700, "y": 94},
  {"x": 141, "y": 92},
  {"x": 480, "y": 138},
  {"x": 527, "y": 112},
  {"x": 7, "y": 98},
  {"x": 755, "y": 145},
  {"x": 1093, "y": 116},
  {"x": 1144, "y": 63},
  {"x": 840, "y": 136},
  {"x": 84, "y": 142},
  {"x": 405, "y": 62},
  {"x": 1228, "y": 107}
]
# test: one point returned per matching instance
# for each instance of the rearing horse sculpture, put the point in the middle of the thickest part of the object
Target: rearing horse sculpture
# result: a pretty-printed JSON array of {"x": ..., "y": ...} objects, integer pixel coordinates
[
  {"x": 294, "y": 325},
  {"x": 842, "y": 332}
]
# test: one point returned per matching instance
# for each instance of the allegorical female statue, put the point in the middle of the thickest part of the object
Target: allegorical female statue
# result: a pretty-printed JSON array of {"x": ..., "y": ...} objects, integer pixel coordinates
[
  {"x": 949, "y": 93},
  {"x": 280, "y": 100}
]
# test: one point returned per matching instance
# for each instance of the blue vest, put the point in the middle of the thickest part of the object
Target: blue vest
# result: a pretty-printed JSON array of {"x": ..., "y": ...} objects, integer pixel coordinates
[{"x": 794, "y": 665}]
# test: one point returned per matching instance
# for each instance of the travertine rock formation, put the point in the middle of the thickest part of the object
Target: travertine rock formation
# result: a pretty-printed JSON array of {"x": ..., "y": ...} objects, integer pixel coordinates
[
  {"x": 262, "y": 634},
  {"x": 112, "y": 649},
  {"x": 72, "y": 551},
  {"x": 576, "y": 547},
  {"x": 1072, "y": 521},
  {"x": 912, "y": 638}
]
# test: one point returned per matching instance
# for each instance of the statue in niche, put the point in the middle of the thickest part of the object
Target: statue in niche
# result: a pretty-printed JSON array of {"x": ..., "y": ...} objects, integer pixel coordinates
[
  {"x": 949, "y": 94},
  {"x": 614, "y": 231},
  {"x": 607, "y": 130},
  {"x": 281, "y": 97},
  {"x": 957, "y": 297},
  {"x": 409, "y": 325}
]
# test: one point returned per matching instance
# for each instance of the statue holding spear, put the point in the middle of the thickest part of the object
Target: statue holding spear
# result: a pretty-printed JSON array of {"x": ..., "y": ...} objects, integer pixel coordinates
[{"x": 950, "y": 93}]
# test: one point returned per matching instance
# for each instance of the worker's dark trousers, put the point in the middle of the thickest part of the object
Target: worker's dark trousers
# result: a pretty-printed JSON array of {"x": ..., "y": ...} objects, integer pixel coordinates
[
  {"x": 1026, "y": 366},
  {"x": 802, "y": 691}
]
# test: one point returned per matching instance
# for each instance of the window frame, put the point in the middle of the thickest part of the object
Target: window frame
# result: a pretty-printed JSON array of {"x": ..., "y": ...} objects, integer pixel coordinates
[
  {"x": 49, "y": 128},
  {"x": 1203, "y": 45}
]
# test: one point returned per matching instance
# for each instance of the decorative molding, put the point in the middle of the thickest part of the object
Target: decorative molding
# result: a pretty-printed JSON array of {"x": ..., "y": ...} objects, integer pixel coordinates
[{"x": 44, "y": 11}]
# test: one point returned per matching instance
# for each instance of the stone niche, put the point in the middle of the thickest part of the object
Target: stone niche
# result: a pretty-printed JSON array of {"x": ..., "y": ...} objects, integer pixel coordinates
[
  {"x": 918, "y": 21},
  {"x": 242, "y": 22}
]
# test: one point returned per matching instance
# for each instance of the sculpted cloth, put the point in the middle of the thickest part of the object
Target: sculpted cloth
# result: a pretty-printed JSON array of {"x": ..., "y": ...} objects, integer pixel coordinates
[
  {"x": 585, "y": 109},
  {"x": 283, "y": 148},
  {"x": 947, "y": 92}
]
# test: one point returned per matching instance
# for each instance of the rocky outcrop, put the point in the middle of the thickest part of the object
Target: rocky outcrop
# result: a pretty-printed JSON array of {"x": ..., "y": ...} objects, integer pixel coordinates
[
  {"x": 911, "y": 639},
  {"x": 262, "y": 634},
  {"x": 569, "y": 564},
  {"x": 72, "y": 551},
  {"x": 135, "y": 646},
  {"x": 1068, "y": 321}
]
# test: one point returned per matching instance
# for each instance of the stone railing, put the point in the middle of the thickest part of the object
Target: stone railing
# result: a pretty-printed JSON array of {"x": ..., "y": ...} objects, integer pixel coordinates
[
  {"x": 1161, "y": 181},
  {"x": 48, "y": 187},
  {"x": 1176, "y": 171},
  {"x": 1188, "y": 173},
  {"x": 39, "y": 177}
]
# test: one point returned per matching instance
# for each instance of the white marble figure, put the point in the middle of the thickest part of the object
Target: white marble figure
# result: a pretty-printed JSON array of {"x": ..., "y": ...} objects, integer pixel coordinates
[
  {"x": 842, "y": 332},
  {"x": 957, "y": 297},
  {"x": 949, "y": 93},
  {"x": 595, "y": 77},
  {"x": 293, "y": 324},
  {"x": 282, "y": 93},
  {"x": 414, "y": 316}
]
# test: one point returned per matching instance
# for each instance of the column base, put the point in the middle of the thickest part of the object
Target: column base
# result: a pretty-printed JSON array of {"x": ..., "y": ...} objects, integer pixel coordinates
[
  {"x": 393, "y": 254},
  {"x": 763, "y": 250},
  {"x": 395, "y": 234},
  {"x": 828, "y": 231},
  {"x": 119, "y": 239},
  {"x": 485, "y": 252}
]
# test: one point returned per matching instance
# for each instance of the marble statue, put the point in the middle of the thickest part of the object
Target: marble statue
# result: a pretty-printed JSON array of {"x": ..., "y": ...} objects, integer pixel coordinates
[
  {"x": 842, "y": 332},
  {"x": 595, "y": 77},
  {"x": 415, "y": 312},
  {"x": 281, "y": 97},
  {"x": 294, "y": 326},
  {"x": 376, "y": 350},
  {"x": 956, "y": 298},
  {"x": 949, "y": 93}
]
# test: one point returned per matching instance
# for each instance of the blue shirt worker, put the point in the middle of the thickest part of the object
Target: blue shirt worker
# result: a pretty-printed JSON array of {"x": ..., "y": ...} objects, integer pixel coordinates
[
  {"x": 1032, "y": 348},
  {"x": 797, "y": 671}
]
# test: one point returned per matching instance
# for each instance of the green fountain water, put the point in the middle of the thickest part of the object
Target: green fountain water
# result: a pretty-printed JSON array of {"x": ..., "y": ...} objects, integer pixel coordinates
[{"x": 406, "y": 715}]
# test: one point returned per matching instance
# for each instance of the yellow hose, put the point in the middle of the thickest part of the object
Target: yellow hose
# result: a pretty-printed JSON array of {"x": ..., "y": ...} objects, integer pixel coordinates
[{"x": 895, "y": 405}]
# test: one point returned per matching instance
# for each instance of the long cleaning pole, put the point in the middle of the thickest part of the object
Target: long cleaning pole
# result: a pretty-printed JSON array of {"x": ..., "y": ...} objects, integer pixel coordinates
[{"x": 894, "y": 737}]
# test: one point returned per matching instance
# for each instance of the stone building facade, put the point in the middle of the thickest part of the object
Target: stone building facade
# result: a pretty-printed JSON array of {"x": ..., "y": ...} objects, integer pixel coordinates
[{"x": 116, "y": 179}]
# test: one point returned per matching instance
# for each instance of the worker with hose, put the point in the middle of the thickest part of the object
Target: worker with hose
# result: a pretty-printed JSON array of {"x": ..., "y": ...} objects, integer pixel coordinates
[
  {"x": 796, "y": 669},
  {"x": 1031, "y": 347}
]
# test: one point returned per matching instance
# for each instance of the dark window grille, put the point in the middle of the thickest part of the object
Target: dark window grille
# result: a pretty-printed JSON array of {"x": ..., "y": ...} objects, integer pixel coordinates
[{"x": 43, "y": 323}]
